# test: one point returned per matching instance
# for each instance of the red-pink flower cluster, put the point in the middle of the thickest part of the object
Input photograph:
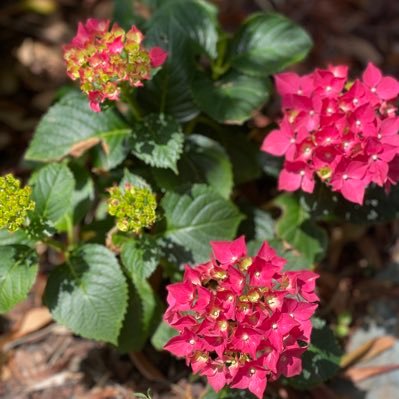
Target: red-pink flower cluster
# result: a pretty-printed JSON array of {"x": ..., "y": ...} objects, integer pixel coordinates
[
  {"x": 104, "y": 58},
  {"x": 242, "y": 321},
  {"x": 346, "y": 132}
]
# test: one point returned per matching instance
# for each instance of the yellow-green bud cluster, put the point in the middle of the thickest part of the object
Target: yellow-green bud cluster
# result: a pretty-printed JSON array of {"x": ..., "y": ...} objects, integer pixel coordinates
[
  {"x": 134, "y": 207},
  {"x": 15, "y": 202}
]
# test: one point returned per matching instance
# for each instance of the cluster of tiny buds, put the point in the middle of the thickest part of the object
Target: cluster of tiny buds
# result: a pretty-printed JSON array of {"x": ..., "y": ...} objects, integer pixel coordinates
[
  {"x": 15, "y": 203},
  {"x": 343, "y": 132},
  {"x": 242, "y": 321},
  {"x": 133, "y": 207}
]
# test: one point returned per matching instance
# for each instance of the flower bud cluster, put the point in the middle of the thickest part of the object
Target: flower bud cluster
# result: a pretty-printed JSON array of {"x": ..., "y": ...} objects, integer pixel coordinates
[
  {"x": 345, "y": 132},
  {"x": 242, "y": 321},
  {"x": 103, "y": 58},
  {"x": 134, "y": 207},
  {"x": 15, "y": 203}
]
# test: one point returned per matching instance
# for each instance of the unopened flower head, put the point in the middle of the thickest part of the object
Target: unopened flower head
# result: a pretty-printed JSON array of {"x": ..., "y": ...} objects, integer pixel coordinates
[
  {"x": 134, "y": 207},
  {"x": 345, "y": 132},
  {"x": 15, "y": 203},
  {"x": 103, "y": 58},
  {"x": 242, "y": 321}
]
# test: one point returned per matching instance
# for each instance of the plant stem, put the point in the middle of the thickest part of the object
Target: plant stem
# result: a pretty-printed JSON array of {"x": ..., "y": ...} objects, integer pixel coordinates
[
  {"x": 189, "y": 128},
  {"x": 70, "y": 232},
  {"x": 54, "y": 244},
  {"x": 134, "y": 107}
]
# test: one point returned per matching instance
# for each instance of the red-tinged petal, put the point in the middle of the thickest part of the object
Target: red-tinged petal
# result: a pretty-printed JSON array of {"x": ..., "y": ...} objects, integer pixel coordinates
[
  {"x": 199, "y": 361},
  {"x": 203, "y": 298},
  {"x": 378, "y": 172},
  {"x": 191, "y": 275},
  {"x": 135, "y": 35},
  {"x": 288, "y": 181},
  {"x": 246, "y": 340},
  {"x": 82, "y": 36},
  {"x": 389, "y": 126},
  {"x": 287, "y": 83},
  {"x": 97, "y": 25},
  {"x": 339, "y": 71},
  {"x": 216, "y": 376},
  {"x": 217, "y": 344},
  {"x": 235, "y": 281},
  {"x": 267, "y": 253},
  {"x": 257, "y": 385},
  {"x": 300, "y": 311},
  {"x": 180, "y": 295},
  {"x": 356, "y": 170},
  {"x": 290, "y": 363},
  {"x": 183, "y": 322},
  {"x": 116, "y": 46},
  {"x": 388, "y": 88},
  {"x": 182, "y": 345},
  {"x": 95, "y": 106},
  {"x": 371, "y": 75},
  {"x": 261, "y": 272},
  {"x": 353, "y": 190},
  {"x": 157, "y": 56},
  {"x": 308, "y": 183},
  {"x": 229, "y": 251},
  {"x": 277, "y": 142}
]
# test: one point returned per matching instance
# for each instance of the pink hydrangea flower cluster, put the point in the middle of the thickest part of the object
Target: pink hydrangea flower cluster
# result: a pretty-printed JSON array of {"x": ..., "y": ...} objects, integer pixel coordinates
[
  {"x": 242, "y": 321},
  {"x": 103, "y": 58},
  {"x": 345, "y": 132}
]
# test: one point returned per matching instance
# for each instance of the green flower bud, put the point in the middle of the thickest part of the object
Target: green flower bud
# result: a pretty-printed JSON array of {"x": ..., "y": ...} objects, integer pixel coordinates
[
  {"x": 15, "y": 202},
  {"x": 134, "y": 208}
]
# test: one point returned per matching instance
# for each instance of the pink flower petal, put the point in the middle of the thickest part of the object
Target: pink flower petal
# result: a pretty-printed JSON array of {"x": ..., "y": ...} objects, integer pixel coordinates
[{"x": 157, "y": 56}]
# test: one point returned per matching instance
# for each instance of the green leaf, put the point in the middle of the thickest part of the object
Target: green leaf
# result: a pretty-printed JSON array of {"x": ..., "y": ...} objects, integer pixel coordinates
[
  {"x": 203, "y": 161},
  {"x": 52, "y": 191},
  {"x": 82, "y": 197},
  {"x": 89, "y": 294},
  {"x": 243, "y": 154},
  {"x": 15, "y": 237},
  {"x": 133, "y": 179},
  {"x": 124, "y": 13},
  {"x": 378, "y": 207},
  {"x": 268, "y": 43},
  {"x": 196, "y": 218},
  {"x": 112, "y": 151},
  {"x": 170, "y": 91},
  {"x": 270, "y": 164},
  {"x": 295, "y": 228},
  {"x": 162, "y": 335},
  {"x": 140, "y": 258},
  {"x": 231, "y": 99},
  {"x": 71, "y": 127},
  {"x": 158, "y": 141},
  {"x": 258, "y": 224},
  {"x": 321, "y": 361},
  {"x": 258, "y": 227},
  {"x": 18, "y": 269},
  {"x": 184, "y": 24},
  {"x": 185, "y": 29}
]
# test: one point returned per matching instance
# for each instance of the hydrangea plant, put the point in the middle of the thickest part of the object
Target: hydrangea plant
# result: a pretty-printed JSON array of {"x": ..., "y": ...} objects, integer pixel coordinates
[{"x": 143, "y": 168}]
